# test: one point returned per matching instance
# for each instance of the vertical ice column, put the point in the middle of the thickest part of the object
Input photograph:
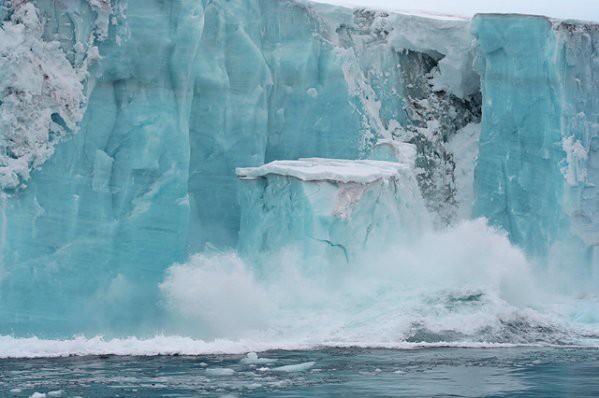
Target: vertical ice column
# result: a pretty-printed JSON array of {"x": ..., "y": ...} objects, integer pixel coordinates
[
  {"x": 537, "y": 170},
  {"x": 578, "y": 63},
  {"x": 518, "y": 182},
  {"x": 337, "y": 210}
]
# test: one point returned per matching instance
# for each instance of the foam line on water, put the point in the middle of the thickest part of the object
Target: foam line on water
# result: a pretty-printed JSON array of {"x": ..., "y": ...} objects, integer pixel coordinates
[{"x": 11, "y": 347}]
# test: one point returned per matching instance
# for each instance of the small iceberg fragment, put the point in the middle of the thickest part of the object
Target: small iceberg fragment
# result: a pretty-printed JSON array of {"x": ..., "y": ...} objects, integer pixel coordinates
[
  {"x": 300, "y": 367},
  {"x": 220, "y": 372},
  {"x": 252, "y": 359}
]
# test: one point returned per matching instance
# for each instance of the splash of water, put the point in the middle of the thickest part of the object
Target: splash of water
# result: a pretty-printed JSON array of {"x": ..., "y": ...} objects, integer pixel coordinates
[{"x": 466, "y": 286}]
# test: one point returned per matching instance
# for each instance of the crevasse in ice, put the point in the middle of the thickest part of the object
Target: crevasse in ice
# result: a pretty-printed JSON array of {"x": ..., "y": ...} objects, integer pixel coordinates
[{"x": 122, "y": 124}]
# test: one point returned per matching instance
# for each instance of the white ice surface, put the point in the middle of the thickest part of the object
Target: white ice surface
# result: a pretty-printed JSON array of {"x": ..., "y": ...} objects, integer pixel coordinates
[
  {"x": 319, "y": 169},
  {"x": 577, "y": 9},
  {"x": 300, "y": 367}
]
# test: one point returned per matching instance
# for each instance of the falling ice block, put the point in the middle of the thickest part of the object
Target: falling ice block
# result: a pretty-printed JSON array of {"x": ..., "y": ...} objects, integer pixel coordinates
[{"x": 327, "y": 208}]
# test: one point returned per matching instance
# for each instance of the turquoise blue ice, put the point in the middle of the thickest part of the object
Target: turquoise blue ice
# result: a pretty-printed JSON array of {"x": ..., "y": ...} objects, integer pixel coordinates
[{"x": 122, "y": 124}]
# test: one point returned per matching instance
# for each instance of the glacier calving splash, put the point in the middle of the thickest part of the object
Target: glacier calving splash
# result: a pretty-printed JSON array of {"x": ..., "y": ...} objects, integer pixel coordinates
[{"x": 247, "y": 170}]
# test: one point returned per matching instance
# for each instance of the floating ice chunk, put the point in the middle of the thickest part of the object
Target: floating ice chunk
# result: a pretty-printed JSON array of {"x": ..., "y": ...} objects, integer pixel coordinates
[
  {"x": 220, "y": 372},
  {"x": 57, "y": 393},
  {"x": 38, "y": 395},
  {"x": 16, "y": 391},
  {"x": 252, "y": 359},
  {"x": 300, "y": 367}
]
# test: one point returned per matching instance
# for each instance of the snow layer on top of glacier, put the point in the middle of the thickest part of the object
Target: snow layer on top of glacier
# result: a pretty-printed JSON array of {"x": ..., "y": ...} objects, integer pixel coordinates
[
  {"x": 387, "y": 7},
  {"x": 447, "y": 39},
  {"x": 574, "y": 9},
  {"x": 318, "y": 169}
]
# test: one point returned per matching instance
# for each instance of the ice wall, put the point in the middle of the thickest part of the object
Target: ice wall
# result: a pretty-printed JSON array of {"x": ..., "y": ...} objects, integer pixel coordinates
[
  {"x": 535, "y": 175},
  {"x": 122, "y": 161},
  {"x": 170, "y": 98},
  {"x": 85, "y": 243}
]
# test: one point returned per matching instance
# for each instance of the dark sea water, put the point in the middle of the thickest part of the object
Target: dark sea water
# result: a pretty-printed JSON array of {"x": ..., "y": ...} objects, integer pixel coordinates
[{"x": 439, "y": 372}]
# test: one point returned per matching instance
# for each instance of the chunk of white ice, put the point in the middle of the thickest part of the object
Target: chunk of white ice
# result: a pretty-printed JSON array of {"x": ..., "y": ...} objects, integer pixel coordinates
[{"x": 300, "y": 367}]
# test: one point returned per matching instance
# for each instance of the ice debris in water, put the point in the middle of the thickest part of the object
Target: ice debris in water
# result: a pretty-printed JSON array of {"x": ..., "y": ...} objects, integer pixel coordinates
[
  {"x": 252, "y": 359},
  {"x": 300, "y": 367},
  {"x": 219, "y": 372}
]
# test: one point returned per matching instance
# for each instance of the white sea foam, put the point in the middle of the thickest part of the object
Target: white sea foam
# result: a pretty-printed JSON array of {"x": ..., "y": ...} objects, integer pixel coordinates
[
  {"x": 11, "y": 347},
  {"x": 463, "y": 287}
]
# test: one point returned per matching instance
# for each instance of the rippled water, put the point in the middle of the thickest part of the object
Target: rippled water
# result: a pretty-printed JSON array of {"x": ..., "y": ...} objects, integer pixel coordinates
[{"x": 439, "y": 372}]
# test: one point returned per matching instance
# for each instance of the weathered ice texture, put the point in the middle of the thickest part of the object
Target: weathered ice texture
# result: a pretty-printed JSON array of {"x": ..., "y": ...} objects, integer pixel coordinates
[
  {"x": 338, "y": 210},
  {"x": 536, "y": 174},
  {"x": 122, "y": 123},
  {"x": 132, "y": 168}
]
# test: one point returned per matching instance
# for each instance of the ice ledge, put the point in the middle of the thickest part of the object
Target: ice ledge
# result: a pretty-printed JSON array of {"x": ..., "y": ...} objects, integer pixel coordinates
[{"x": 318, "y": 169}]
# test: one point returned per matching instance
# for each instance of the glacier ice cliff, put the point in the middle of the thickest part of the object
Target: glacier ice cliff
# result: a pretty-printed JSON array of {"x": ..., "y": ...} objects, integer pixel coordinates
[
  {"x": 535, "y": 175},
  {"x": 122, "y": 124}
]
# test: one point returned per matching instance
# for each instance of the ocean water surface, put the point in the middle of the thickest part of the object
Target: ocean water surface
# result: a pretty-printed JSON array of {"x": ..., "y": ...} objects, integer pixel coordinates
[{"x": 326, "y": 372}]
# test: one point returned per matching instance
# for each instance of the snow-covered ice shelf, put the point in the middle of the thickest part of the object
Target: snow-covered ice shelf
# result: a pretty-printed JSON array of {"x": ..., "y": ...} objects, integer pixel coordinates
[
  {"x": 316, "y": 169},
  {"x": 329, "y": 209}
]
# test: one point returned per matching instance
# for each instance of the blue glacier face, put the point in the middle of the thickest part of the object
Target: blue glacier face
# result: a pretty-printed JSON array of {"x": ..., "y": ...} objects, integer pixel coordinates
[
  {"x": 518, "y": 179},
  {"x": 122, "y": 124},
  {"x": 178, "y": 97},
  {"x": 536, "y": 170}
]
